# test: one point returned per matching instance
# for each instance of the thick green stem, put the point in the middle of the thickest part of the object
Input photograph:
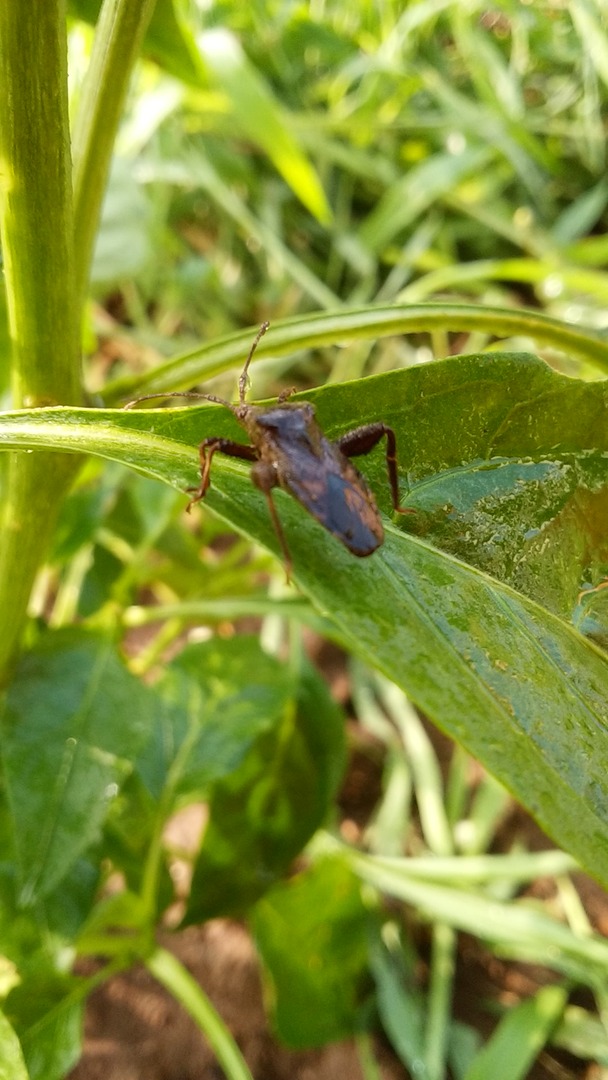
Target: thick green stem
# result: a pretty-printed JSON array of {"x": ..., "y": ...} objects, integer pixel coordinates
[
  {"x": 37, "y": 240},
  {"x": 46, "y": 271},
  {"x": 36, "y": 213}
]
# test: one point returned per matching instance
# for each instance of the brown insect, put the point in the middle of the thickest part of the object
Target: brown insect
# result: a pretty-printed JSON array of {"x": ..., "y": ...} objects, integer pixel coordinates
[{"x": 289, "y": 450}]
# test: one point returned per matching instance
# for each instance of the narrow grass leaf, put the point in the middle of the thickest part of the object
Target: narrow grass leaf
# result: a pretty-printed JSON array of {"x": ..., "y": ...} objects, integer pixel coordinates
[
  {"x": 256, "y": 114},
  {"x": 520, "y": 1037}
]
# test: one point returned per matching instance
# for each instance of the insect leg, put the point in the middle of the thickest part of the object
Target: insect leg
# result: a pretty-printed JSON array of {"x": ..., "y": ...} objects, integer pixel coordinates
[
  {"x": 285, "y": 394},
  {"x": 363, "y": 439},
  {"x": 206, "y": 450},
  {"x": 244, "y": 377},
  {"x": 264, "y": 476}
]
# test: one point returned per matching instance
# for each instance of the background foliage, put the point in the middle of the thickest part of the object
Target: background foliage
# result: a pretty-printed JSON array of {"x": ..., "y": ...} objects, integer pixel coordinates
[{"x": 334, "y": 170}]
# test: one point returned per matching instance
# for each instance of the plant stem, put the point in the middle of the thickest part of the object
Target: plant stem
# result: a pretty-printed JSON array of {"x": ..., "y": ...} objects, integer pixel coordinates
[
  {"x": 36, "y": 208},
  {"x": 168, "y": 970},
  {"x": 37, "y": 240},
  {"x": 46, "y": 272},
  {"x": 440, "y": 1000}
]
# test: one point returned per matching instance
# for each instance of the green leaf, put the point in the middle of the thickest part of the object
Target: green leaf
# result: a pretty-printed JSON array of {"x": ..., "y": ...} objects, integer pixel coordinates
[
  {"x": 257, "y": 115},
  {"x": 118, "y": 926},
  {"x": 583, "y": 1034},
  {"x": 168, "y": 39},
  {"x": 73, "y": 720},
  {"x": 311, "y": 933},
  {"x": 507, "y": 466},
  {"x": 401, "y": 1004},
  {"x": 520, "y": 1037},
  {"x": 260, "y": 743},
  {"x": 64, "y": 910},
  {"x": 506, "y": 462},
  {"x": 131, "y": 837},
  {"x": 220, "y": 698},
  {"x": 419, "y": 188},
  {"x": 279, "y": 743},
  {"x": 12, "y": 1065},
  {"x": 48, "y": 1015},
  {"x": 124, "y": 243},
  {"x": 515, "y": 929},
  {"x": 42, "y": 1003}
]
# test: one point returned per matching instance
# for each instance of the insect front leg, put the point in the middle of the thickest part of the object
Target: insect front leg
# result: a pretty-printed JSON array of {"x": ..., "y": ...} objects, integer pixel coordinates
[
  {"x": 206, "y": 450},
  {"x": 264, "y": 476},
  {"x": 363, "y": 439}
]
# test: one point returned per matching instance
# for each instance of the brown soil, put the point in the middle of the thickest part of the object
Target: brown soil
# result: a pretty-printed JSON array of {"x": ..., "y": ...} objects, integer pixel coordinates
[{"x": 134, "y": 1030}]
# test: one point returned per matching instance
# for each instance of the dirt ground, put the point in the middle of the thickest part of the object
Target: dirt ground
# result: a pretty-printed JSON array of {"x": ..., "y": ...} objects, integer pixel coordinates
[{"x": 134, "y": 1030}]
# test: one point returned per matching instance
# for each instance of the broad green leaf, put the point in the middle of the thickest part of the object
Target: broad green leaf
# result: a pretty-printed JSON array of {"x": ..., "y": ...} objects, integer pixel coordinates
[
  {"x": 311, "y": 933},
  {"x": 12, "y": 1065},
  {"x": 43, "y": 1004},
  {"x": 244, "y": 694},
  {"x": 505, "y": 461},
  {"x": 73, "y": 720},
  {"x": 507, "y": 467},
  {"x": 261, "y": 743},
  {"x": 48, "y": 1015},
  {"x": 220, "y": 699},
  {"x": 131, "y": 843},
  {"x": 64, "y": 910},
  {"x": 214, "y": 705},
  {"x": 20, "y": 943},
  {"x": 280, "y": 744}
]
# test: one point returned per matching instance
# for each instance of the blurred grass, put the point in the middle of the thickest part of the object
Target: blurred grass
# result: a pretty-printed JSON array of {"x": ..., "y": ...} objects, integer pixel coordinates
[{"x": 461, "y": 152}]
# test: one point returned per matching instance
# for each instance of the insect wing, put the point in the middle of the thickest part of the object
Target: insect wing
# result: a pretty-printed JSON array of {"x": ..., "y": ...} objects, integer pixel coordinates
[{"x": 330, "y": 487}]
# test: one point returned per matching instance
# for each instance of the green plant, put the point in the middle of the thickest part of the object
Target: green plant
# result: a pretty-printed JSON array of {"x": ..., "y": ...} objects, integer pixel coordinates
[{"x": 486, "y": 608}]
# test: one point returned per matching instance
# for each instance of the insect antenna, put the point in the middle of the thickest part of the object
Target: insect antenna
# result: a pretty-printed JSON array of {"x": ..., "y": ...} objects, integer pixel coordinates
[
  {"x": 243, "y": 382},
  {"x": 244, "y": 378}
]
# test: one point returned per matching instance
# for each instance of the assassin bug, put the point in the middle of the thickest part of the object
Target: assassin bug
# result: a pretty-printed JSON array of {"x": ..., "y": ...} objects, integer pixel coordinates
[{"x": 289, "y": 450}]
